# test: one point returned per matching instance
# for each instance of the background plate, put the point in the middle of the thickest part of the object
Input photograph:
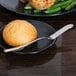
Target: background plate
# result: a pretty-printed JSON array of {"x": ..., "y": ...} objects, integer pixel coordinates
[{"x": 18, "y": 7}]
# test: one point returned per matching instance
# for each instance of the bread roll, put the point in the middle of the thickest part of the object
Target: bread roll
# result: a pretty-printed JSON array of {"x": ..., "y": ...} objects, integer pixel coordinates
[{"x": 19, "y": 32}]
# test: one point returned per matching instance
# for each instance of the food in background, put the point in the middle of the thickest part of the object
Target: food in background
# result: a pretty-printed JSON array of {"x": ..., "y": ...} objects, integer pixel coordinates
[
  {"x": 41, "y": 4},
  {"x": 53, "y": 7}
]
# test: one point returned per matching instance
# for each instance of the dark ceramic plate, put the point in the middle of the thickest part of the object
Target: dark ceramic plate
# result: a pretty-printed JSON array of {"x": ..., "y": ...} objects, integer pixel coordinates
[
  {"x": 44, "y": 30},
  {"x": 18, "y": 7}
]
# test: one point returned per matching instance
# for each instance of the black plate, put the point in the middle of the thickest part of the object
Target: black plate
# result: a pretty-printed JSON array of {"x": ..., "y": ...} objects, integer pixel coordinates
[
  {"x": 18, "y": 7},
  {"x": 44, "y": 30}
]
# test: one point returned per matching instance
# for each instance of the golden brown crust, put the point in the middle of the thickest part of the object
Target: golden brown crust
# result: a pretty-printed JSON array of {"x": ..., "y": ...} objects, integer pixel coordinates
[
  {"x": 19, "y": 32},
  {"x": 41, "y": 4}
]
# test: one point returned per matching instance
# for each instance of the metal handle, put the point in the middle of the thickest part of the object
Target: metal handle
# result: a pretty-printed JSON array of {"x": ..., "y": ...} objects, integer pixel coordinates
[{"x": 61, "y": 31}]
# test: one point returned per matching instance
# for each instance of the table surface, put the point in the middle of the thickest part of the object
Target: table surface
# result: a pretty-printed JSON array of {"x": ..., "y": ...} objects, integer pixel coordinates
[{"x": 59, "y": 60}]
